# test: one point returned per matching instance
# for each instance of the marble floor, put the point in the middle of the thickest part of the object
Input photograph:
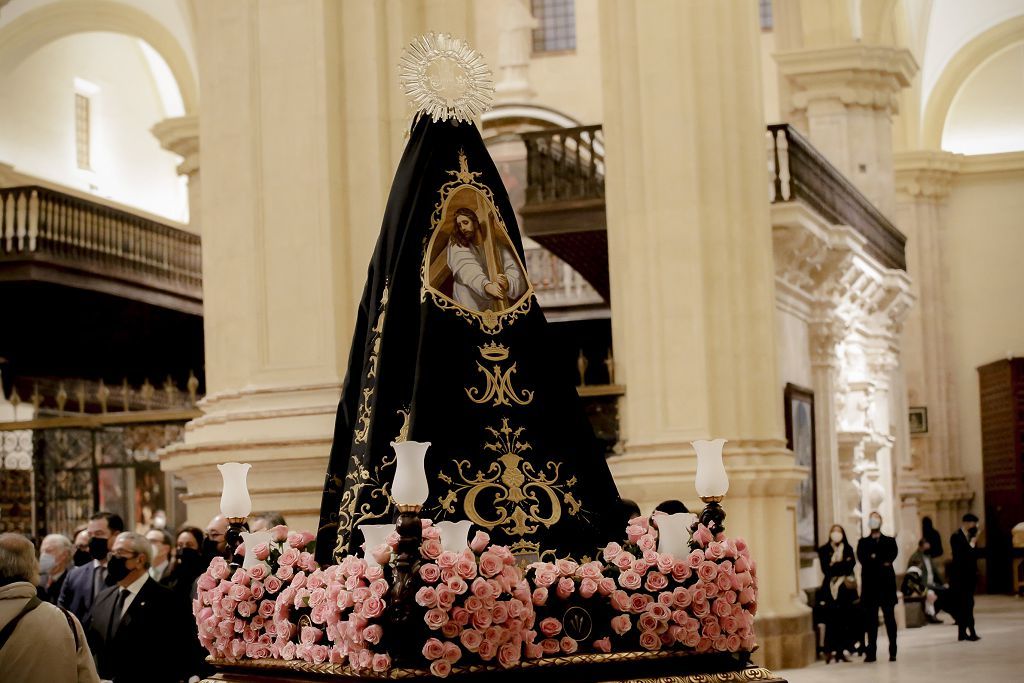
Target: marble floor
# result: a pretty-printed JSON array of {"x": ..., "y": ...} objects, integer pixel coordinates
[{"x": 932, "y": 653}]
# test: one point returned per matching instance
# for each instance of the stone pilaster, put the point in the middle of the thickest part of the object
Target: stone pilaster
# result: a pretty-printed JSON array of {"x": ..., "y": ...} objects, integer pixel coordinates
[
  {"x": 844, "y": 99},
  {"x": 692, "y": 280},
  {"x": 923, "y": 182},
  {"x": 181, "y": 136}
]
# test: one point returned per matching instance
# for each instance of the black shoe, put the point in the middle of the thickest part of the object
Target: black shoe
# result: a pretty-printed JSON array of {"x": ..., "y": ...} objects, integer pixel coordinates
[
  {"x": 892, "y": 658},
  {"x": 869, "y": 658},
  {"x": 933, "y": 620},
  {"x": 973, "y": 637}
]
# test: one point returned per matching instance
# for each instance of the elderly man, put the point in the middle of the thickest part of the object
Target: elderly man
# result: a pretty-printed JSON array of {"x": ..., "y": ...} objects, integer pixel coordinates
[
  {"x": 215, "y": 544},
  {"x": 161, "y": 567},
  {"x": 261, "y": 521},
  {"x": 84, "y": 583},
  {"x": 131, "y": 616},
  {"x": 55, "y": 554},
  {"x": 39, "y": 643}
]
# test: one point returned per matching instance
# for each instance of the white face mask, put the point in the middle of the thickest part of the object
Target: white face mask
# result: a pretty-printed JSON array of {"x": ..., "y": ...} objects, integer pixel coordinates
[
  {"x": 836, "y": 537},
  {"x": 874, "y": 523}
]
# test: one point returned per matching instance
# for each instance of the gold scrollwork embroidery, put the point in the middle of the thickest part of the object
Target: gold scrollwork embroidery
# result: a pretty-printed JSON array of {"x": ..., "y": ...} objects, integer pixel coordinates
[
  {"x": 499, "y": 382},
  {"x": 520, "y": 498}
]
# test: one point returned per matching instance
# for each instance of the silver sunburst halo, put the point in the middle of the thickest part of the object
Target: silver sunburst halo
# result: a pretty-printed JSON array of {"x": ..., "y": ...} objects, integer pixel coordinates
[{"x": 445, "y": 78}]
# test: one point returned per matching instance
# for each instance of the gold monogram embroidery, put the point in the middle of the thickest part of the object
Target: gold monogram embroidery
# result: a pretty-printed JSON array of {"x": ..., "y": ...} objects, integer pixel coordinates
[{"x": 499, "y": 382}]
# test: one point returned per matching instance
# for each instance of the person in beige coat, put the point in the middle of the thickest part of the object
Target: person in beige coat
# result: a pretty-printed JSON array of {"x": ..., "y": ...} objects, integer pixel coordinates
[{"x": 44, "y": 644}]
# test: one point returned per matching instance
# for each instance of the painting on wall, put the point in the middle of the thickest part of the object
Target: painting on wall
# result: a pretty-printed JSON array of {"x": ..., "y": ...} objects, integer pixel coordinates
[
  {"x": 799, "y": 404},
  {"x": 919, "y": 420}
]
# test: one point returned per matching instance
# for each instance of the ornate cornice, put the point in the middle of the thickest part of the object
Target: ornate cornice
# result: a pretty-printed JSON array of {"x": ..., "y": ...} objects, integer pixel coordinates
[
  {"x": 181, "y": 136},
  {"x": 857, "y": 75},
  {"x": 926, "y": 174}
]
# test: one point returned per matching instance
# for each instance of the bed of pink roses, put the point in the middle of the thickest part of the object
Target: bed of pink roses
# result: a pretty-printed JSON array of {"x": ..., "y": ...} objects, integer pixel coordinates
[
  {"x": 704, "y": 602},
  {"x": 286, "y": 607},
  {"x": 478, "y": 606}
]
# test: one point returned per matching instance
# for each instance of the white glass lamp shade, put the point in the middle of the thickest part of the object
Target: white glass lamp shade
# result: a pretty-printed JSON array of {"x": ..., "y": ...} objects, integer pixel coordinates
[
  {"x": 711, "y": 481},
  {"x": 454, "y": 535},
  {"x": 251, "y": 539},
  {"x": 410, "y": 484},
  {"x": 674, "y": 533},
  {"x": 234, "y": 499},
  {"x": 374, "y": 536}
]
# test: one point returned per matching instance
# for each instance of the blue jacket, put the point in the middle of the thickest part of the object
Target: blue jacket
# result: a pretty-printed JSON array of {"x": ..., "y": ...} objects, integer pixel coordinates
[{"x": 76, "y": 595}]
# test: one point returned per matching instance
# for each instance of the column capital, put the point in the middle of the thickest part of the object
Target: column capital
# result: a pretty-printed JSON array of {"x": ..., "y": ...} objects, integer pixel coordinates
[
  {"x": 181, "y": 136},
  {"x": 858, "y": 75},
  {"x": 926, "y": 174},
  {"x": 826, "y": 332}
]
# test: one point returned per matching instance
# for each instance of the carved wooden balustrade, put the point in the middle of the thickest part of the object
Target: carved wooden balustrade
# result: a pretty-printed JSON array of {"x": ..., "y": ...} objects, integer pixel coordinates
[
  {"x": 799, "y": 172},
  {"x": 46, "y": 234},
  {"x": 564, "y": 164}
]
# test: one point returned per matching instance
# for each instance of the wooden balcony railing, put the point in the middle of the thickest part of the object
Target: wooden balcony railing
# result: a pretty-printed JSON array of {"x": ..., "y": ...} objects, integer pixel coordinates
[
  {"x": 800, "y": 172},
  {"x": 44, "y": 226},
  {"x": 564, "y": 164}
]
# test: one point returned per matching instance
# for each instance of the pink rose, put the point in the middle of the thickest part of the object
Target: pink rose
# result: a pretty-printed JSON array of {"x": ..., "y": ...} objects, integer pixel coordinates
[
  {"x": 288, "y": 651},
  {"x": 647, "y": 622},
  {"x": 603, "y": 645},
  {"x": 372, "y": 607},
  {"x": 566, "y": 567},
  {"x": 279, "y": 533},
  {"x": 656, "y": 581},
  {"x": 533, "y": 650},
  {"x": 550, "y": 627},
  {"x": 509, "y": 654},
  {"x": 714, "y": 551},
  {"x": 659, "y": 612},
  {"x": 471, "y": 639},
  {"x": 381, "y": 554},
  {"x": 724, "y": 582},
  {"x": 430, "y": 572},
  {"x": 272, "y": 584},
  {"x": 702, "y": 536},
  {"x": 450, "y": 629},
  {"x": 621, "y": 624},
  {"x": 634, "y": 532},
  {"x": 490, "y": 564},
  {"x": 266, "y": 609},
  {"x": 310, "y": 635},
  {"x": 649, "y": 640},
  {"x": 624, "y": 560},
  {"x": 426, "y": 597},
  {"x": 722, "y": 608},
  {"x": 681, "y": 570},
  {"x": 606, "y": 585},
  {"x": 285, "y": 572},
  {"x": 647, "y": 542},
  {"x": 590, "y": 570},
  {"x": 447, "y": 559},
  {"x": 440, "y": 668},
  {"x": 288, "y": 558},
  {"x": 261, "y": 551},
  {"x": 379, "y": 587},
  {"x": 545, "y": 578},
  {"x": 487, "y": 650},
  {"x": 451, "y": 653},
  {"x": 732, "y": 642},
  {"x": 465, "y": 567},
  {"x": 620, "y": 600},
  {"x": 611, "y": 551},
  {"x": 430, "y": 549},
  {"x": 480, "y": 542},
  {"x": 746, "y": 596},
  {"x": 433, "y": 649},
  {"x": 566, "y": 587},
  {"x": 481, "y": 589},
  {"x": 457, "y": 585},
  {"x": 481, "y": 619},
  {"x": 380, "y": 663},
  {"x": 707, "y": 571},
  {"x": 550, "y": 646},
  {"x": 665, "y": 563},
  {"x": 638, "y": 602},
  {"x": 681, "y": 598},
  {"x": 729, "y": 624},
  {"x": 630, "y": 580},
  {"x": 435, "y": 618},
  {"x": 568, "y": 645},
  {"x": 540, "y": 596},
  {"x": 445, "y": 597},
  {"x": 300, "y": 539},
  {"x": 587, "y": 588}
]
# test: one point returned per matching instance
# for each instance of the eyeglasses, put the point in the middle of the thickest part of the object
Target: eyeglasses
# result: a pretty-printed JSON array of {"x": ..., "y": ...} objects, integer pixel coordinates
[{"x": 125, "y": 554}]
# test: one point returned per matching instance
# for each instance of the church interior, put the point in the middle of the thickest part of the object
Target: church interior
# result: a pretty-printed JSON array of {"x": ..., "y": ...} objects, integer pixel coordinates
[{"x": 792, "y": 224}]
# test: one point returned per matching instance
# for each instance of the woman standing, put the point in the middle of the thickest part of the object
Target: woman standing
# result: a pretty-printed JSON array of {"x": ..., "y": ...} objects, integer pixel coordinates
[{"x": 837, "y": 594}]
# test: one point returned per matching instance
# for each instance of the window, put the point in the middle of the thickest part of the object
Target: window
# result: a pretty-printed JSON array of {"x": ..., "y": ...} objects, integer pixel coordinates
[
  {"x": 766, "y": 15},
  {"x": 82, "y": 131},
  {"x": 556, "y": 31}
]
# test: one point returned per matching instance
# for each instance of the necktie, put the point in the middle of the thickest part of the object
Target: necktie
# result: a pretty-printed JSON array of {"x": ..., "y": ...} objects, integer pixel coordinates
[
  {"x": 98, "y": 580},
  {"x": 115, "y": 617}
]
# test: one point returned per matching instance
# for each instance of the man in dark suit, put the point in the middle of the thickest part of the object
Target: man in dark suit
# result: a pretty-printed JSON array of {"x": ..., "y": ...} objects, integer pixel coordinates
[
  {"x": 85, "y": 582},
  {"x": 54, "y": 561},
  {"x": 133, "y": 615},
  {"x": 964, "y": 576},
  {"x": 876, "y": 553}
]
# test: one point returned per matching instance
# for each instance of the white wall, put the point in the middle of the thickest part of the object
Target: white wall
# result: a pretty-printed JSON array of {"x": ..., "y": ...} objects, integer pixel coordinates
[
  {"x": 794, "y": 350},
  {"x": 986, "y": 289},
  {"x": 37, "y": 122}
]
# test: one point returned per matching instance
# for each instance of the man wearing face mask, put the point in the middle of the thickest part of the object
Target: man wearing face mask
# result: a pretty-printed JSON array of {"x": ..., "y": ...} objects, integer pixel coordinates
[
  {"x": 82, "y": 554},
  {"x": 162, "y": 566},
  {"x": 876, "y": 553},
  {"x": 54, "y": 559},
  {"x": 130, "y": 616},
  {"x": 85, "y": 582},
  {"x": 964, "y": 576},
  {"x": 215, "y": 544}
]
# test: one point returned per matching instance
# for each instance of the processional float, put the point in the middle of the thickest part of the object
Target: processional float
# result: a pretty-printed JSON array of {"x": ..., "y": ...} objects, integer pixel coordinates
[{"x": 470, "y": 527}]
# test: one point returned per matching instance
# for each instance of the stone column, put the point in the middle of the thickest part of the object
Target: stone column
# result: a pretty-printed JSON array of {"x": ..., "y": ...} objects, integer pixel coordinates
[
  {"x": 923, "y": 181},
  {"x": 826, "y": 332},
  {"x": 692, "y": 281},
  {"x": 181, "y": 136},
  {"x": 515, "y": 44},
  {"x": 844, "y": 99}
]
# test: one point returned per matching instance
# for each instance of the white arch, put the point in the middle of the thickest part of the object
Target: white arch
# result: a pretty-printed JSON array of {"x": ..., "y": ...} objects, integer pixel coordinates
[{"x": 42, "y": 26}]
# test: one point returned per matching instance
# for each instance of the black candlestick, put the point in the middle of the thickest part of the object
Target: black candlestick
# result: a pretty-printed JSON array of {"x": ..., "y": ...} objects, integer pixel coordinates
[
  {"x": 233, "y": 538},
  {"x": 404, "y": 615},
  {"x": 712, "y": 516}
]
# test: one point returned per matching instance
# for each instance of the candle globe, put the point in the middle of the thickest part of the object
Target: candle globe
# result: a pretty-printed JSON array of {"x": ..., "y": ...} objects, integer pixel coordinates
[
  {"x": 234, "y": 498},
  {"x": 410, "y": 486},
  {"x": 711, "y": 482},
  {"x": 454, "y": 535}
]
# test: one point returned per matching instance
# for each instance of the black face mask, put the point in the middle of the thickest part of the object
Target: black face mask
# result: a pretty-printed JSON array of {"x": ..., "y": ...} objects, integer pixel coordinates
[
  {"x": 210, "y": 549},
  {"x": 98, "y": 548},
  {"x": 117, "y": 569},
  {"x": 972, "y": 532},
  {"x": 189, "y": 559},
  {"x": 81, "y": 557}
]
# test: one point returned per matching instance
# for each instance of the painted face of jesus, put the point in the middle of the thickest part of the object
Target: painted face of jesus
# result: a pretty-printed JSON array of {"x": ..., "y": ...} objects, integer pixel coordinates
[{"x": 466, "y": 226}]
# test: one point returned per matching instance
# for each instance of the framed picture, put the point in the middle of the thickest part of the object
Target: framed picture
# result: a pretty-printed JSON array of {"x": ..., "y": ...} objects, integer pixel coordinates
[
  {"x": 800, "y": 439},
  {"x": 919, "y": 420}
]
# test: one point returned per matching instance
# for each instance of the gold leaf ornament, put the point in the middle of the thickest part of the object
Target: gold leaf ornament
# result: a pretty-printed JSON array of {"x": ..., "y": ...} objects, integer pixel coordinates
[{"x": 445, "y": 78}]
